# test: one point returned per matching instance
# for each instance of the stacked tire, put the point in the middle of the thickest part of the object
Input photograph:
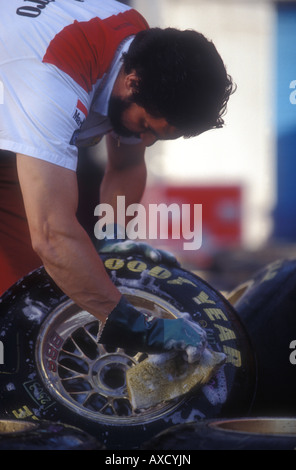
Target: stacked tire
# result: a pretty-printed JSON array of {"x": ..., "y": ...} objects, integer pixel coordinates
[
  {"x": 228, "y": 434},
  {"x": 266, "y": 305},
  {"x": 44, "y": 435}
]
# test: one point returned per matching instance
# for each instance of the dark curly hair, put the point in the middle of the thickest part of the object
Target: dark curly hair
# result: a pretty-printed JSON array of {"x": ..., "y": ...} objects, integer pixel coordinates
[{"x": 181, "y": 78}]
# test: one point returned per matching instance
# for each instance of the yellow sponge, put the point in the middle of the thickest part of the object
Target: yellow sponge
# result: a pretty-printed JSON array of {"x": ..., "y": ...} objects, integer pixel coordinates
[{"x": 163, "y": 377}]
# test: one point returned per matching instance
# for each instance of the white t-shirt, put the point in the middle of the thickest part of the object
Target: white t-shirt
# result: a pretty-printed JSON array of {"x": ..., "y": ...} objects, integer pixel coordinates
[{"x": 59, "y": 60}]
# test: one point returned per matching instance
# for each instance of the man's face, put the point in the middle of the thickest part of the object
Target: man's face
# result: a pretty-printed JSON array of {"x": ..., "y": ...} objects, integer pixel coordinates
[{"x": 129, "y": 119}]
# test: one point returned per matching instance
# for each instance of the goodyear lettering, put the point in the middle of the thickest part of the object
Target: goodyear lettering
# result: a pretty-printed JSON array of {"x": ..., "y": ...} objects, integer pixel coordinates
[
  {"x": 225, "y": 333},
  {"x": 180, "y": 281},
  {"x": 114, "y": 263},
  {"x": 136, "y": 266},
  {"x": 159, "y": 273},
  {"x": 233, "y": 356},
  {"x": 213, "y": 313},
  {"x": 203, "y": 298}
]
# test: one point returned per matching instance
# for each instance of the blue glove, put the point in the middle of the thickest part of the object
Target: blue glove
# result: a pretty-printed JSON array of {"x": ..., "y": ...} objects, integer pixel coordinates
[
  {"x": 116, "y": 242},
  {"x": 128, "y": 328}
]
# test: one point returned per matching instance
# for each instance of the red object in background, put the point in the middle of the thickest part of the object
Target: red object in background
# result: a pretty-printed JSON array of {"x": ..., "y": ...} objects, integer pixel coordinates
[
  {"x": 17, "y": 257},
  {"x": 221, "y": 215}
]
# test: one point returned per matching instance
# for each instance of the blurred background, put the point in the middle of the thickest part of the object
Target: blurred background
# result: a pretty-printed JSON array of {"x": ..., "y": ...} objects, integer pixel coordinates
[{"x": 243, "y": 174}]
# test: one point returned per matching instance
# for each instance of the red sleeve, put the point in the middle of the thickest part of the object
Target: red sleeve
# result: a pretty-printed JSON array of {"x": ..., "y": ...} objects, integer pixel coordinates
[{"x": 84, "y": 50}]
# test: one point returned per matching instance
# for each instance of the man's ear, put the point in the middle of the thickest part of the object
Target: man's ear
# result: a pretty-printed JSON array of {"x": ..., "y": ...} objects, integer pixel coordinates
[{"x": 131, "y": 83}]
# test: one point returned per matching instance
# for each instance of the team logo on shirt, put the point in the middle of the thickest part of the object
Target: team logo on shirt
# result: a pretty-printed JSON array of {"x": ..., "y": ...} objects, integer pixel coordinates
[
  {"x": 79, "y": 116},
  {"x": 33, "y": 11},
  {"x": 80, "y": 113}
]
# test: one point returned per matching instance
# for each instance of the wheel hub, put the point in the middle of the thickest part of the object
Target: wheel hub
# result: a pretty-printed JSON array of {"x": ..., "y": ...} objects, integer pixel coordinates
[{"x": 109, "y": 374}]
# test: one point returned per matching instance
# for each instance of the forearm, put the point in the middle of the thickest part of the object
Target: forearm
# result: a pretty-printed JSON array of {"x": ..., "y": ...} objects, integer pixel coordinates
[
  {"x": 73, "y": 263},
  {"x": 125, "y": 175},
  {"x": 50, "y": 197},
  {"x": 129, "y": 183}
]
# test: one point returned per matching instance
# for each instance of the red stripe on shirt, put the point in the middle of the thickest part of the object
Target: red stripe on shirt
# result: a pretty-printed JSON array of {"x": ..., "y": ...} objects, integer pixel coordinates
[
  {"x": 84, "y": 50},
  {"x": 82, "y": 108}
]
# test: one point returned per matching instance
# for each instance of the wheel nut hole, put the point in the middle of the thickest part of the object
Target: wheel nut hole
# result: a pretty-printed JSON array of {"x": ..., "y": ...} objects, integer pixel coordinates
[{"x": 113, "y": 376}]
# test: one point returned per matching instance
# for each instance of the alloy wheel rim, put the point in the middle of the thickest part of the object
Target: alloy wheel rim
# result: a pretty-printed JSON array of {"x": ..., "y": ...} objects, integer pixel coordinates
[{"x": 89, "y": 378}]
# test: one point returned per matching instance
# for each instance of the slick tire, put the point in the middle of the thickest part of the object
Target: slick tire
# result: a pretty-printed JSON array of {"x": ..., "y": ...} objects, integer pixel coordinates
[
  {"x": 267, "y": 307},
  {"x": 44, "y": 435},
  {"x": 55, "y": 370},
  {"x": 228, "y": 434}
]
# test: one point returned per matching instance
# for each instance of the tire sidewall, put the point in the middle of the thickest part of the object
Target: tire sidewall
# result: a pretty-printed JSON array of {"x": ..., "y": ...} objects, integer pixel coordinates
[
  {"x": 28, "y": 305},
  {"x": 45, "y": 435},
  {"x": 209, "y": 435},
  {"x": 267, "y": 309}
]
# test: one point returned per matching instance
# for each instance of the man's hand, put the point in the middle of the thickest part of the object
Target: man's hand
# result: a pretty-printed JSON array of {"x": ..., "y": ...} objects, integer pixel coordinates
[
  {"x": 128, "y": 328},
  {"x": 130, "y": 247}
]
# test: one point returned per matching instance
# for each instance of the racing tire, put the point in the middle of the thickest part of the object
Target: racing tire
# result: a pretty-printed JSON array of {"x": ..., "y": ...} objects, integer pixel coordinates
[
  {"x": 55, "y": 370},
  {"x": 266, "y": 305},
  {"x": 44, "y": 435},
  {"x": 228, "y": 434}
]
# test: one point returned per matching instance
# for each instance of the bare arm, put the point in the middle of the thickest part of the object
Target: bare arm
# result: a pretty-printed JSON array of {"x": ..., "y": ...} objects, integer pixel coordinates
[
  {"x": 125, "y": 173},
  {"x": 50, "y": 197}
]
